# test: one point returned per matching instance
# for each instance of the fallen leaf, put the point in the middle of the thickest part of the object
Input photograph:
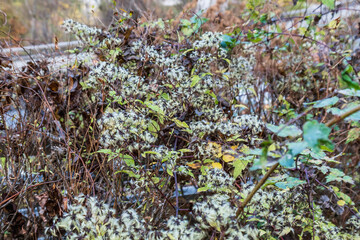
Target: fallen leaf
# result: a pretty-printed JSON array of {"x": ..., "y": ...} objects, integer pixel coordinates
[
  {"x": 341, "y": 203},
  {"x": 216, "y": 165},
  {"x": 228, "y": 158},
  {"x": 194, "y": 165}
]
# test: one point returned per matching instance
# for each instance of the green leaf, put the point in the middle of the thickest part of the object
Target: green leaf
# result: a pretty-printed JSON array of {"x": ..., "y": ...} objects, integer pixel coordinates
[
  {"x": 297, "y": 147},
  {"x": 106, "y": 151},
  {"x": 290, "y": 183},
  {"x": 203, "y": 189},
  {"x": 127, "y": 159},
  {"x": 155, "y": 108},
  {"x": 187, "y": 31},
  {"x": 155, "y": 180},
  {"x": 165, "y": 96},
  {"x": 338, "y": 175},
  {"x": 169, "y": 172},
  {"x": 150, "y": 152},
  {"x": 263, "y": 18},
  {"x": 349, "y": 81},
  {"x": 185, "y": 150},
  {"x": 329, "y": 3},
  {"x": 326, "y": 102},
  {"x": 353, "y": 134},
  {"x": 286, "y": 231},
  {"x": 345, "y": 197},
  {"x": 286, "y": 131},
  {"x": 180, "y": 123},
  {"x": 195, "y": 80},
  {"x": 130, "y": 173},
  {"x": 262, "y": 162},
  {"x": 287, "y": 161},
  {"x": 350, "y": 92},
  {"x": 236, "y": 138},
  {"x": 316, "y": 134},
  {"x": 185, "y": 22},
  {"x": 240, "y": 165},
  {"x": 186, "y": 51},
  {"x": 153, "y": 128},
  {"x": 350, "y": 106}
]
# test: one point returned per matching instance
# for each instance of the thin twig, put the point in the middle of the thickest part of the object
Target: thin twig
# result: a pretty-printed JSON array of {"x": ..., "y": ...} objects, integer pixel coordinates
[
  {"x": 24, "y": 190},
  {"x": 176, "y": 194},
  {"x": 19, "y": 45}
]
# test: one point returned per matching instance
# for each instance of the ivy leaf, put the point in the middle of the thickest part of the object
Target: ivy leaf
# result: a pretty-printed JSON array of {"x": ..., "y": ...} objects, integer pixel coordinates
[
  {"x": 297, "y": 147},
  {"x": 294, "y": 149},
  {"x": 326, "y": 102},
  {"x": 287, "y": 161},
  {"x": 338, "y": 175},
  {"x": 286, "y": 131},
  {"x": 316, "y": 134},
  {"x": 155, "y": 180}
]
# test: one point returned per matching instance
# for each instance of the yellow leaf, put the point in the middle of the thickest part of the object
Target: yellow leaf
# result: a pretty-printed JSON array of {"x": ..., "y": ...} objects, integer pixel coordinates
[
  {"x": 341, "y": 203},
  {"x": 194, "y": 165},
  {"x": 241, "y": 105},
  {"x": 234, "y": 147},
  {"x": 214, "y": 144},
  {"x": 334, "y": 24},
  {"x": 216, "y": 165},
  {"x": 272, "y": 147},
  {"x": 228, "y": 158},
  {"x": 216, "y": 148}
]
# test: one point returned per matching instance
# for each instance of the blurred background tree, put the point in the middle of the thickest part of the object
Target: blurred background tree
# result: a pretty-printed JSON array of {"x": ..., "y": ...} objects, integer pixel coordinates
[{"x": 38, "y": 21}]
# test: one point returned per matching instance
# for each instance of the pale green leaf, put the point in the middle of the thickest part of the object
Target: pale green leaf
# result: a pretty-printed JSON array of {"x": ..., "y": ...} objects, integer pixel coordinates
[
  {"x": 289, "y": 183},
  {"x": 180, "y": 123},
  {"x": 329, "y": 3},
  {"x": 127, "y": 159},
  {"x": 285, "y": 131},
  {"x": 353, "y": 134},
  {"x": 240, "y": 165},
  {"x": 326, "y": 102},
  {"x": 195, "y": 80}
]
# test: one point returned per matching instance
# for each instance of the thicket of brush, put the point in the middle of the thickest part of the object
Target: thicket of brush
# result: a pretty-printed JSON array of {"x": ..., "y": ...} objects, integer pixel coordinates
[{"x": 209, "y": 126}]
